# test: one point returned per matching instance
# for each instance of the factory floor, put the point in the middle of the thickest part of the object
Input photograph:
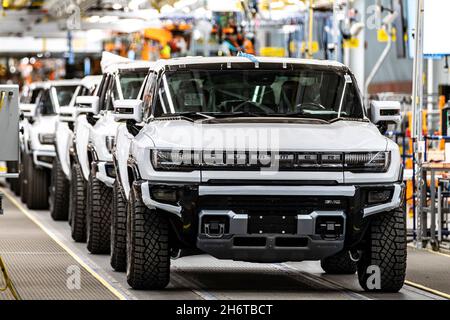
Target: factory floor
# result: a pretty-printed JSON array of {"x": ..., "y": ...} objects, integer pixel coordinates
[{"x": 44, "y": 263}]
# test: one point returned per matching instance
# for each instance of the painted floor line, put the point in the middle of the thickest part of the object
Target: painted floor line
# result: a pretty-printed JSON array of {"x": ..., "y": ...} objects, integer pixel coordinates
[
  {"x": 62, "y": 245},
  {"x": 427, "y": 289}
]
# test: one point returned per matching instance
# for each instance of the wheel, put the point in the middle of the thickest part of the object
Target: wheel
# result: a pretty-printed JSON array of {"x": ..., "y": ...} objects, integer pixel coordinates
[
  {"x": 77, "y": 205},
  {"x": 23, "y": 177},
  {"x": 383, "y": 260},
  {"x": 98, "y": 216},
  {"x": 59, "y": 193},
  {"x": 14, "y": 184},
  {"x": 339, "y": 264},
  {"x": 148, "y": 259},
  {"x": 37, "y": 187},
  {"x": 119, "y": 230}
]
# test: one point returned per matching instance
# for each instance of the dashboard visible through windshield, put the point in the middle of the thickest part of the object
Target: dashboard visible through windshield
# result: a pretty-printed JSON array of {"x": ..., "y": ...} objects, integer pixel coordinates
[{"x": 318, "y": 94}]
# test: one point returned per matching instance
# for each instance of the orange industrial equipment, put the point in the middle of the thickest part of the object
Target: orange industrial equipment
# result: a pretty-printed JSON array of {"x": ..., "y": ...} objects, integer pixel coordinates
[{"x": 163, "y": 36}]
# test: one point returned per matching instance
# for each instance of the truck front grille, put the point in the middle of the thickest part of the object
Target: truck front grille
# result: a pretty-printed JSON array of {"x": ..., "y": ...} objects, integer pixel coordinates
[{"x": 273, "y": 205}]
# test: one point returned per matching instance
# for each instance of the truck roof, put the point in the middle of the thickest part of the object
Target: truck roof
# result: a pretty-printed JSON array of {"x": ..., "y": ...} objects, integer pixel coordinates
[
  {"x": 90, "y": 81},
  {"x": 245, "y": 59},
  {"x": 116, "y": 67},
  {"x": 54, "y": 83}
]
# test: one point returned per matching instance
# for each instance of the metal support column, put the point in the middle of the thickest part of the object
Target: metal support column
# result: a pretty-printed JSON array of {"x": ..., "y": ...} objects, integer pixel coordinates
[{"x": 417, "y": 134}]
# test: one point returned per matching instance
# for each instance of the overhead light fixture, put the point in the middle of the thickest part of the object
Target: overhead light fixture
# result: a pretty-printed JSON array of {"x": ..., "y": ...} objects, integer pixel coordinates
[
  {"x": 135, "y": 4},
  {"x": 93, "y": 19},
  {"x": 108, "y": 19}
]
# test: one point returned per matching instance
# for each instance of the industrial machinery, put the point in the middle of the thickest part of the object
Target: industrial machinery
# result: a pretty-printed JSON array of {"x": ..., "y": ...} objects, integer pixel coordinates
[{"x": 9, "y": 140}]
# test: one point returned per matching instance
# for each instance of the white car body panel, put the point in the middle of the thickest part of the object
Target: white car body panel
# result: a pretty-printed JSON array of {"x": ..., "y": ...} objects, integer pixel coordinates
[
  {"x": 122, "y": 153},
  {"x": 106, "y": 126},
  {"x": 42, "y": 125},
  {"x": 81, "y": 131},
  {"x": 64, "y": 140}
]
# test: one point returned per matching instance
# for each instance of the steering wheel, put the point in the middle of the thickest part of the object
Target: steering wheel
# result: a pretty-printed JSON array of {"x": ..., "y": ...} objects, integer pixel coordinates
[{"x": 314, "y": 105}]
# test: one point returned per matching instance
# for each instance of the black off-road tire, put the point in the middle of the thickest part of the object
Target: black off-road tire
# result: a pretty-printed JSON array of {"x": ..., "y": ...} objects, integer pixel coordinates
[
  {"x": 77, "y": 205},
  {"x": 119, "y": 230},
  {"x": 386, "y": 249},
  {"x": 14, "y": 184},
  {"x": 37, "y": 187},
  {"x": 59, "y": 193},
  {"x": 339, "y": 264},
  {"x": 98, "y": 216},
  {"x": 148, "y": 252},
  {"x": 23, "y": 177}
]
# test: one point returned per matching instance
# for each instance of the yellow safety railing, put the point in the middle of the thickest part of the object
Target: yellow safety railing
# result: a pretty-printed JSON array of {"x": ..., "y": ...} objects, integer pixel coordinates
[{"x": 8, "y": 284}]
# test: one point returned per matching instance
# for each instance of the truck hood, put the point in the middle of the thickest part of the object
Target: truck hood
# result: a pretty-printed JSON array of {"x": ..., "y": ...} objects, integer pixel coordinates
[{"x": 265, "y": 134}]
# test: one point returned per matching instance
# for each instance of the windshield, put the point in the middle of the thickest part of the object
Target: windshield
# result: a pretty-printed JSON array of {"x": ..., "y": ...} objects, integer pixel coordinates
[
  {"x": 65, "y": 94},
  {"x": 317, "y": 94},
  {"x": 131, "y": 83}
]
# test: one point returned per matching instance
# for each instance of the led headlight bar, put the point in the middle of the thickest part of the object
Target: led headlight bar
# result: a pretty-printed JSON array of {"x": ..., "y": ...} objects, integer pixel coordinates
[
  {"x": 178, "y": 160},
  {"x": 368, "y": 162}
]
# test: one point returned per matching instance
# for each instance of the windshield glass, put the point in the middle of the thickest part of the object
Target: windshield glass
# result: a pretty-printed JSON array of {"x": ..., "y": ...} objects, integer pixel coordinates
[
  {"x": 318, "y": 94},
  {"x": 65, "y": 94},
  {"x": 131, "y": 83}
]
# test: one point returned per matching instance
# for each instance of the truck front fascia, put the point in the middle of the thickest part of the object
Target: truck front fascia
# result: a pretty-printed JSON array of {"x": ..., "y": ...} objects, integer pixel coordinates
[{"x": 184, "y": 204}]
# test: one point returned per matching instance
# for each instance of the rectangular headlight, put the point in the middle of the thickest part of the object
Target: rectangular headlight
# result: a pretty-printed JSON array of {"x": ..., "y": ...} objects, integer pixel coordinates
[
  {"x": 47, "y": 138},
  {"x": 174, "y": 159},
  {"x": 368, "y": 162}
]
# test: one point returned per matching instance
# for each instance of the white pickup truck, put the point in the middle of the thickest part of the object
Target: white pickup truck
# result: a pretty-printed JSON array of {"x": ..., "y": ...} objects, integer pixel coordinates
[
  {"x": 93, "y": 172},
  {"x": 38, "y": 139},
  {"x": 262, "y": 160},
  {"x": 60, "y": 176}
]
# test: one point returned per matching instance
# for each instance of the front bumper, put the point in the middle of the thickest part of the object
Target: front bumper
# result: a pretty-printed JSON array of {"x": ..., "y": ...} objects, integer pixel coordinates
[
  {"x": 44, "y": 158},
  {"x": 309, "y": 212},
  {"x": 105, "y": 172},
  {"x": 305, "y": 244}
]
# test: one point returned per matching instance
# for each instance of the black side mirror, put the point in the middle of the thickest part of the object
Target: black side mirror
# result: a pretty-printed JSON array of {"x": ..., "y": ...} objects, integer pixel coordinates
[{"x": 133, "y": 128}]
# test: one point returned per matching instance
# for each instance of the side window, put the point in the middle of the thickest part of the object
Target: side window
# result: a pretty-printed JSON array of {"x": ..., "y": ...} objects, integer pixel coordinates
[
  {"x": 111, "y": 94},
  {"x": 352, "y": 103},
  {"x": 45, "y": 104},
  {"x": 161, "y": 105},
  {"x": 105, "y": 91},
  {"x": 148, "y": 94}
]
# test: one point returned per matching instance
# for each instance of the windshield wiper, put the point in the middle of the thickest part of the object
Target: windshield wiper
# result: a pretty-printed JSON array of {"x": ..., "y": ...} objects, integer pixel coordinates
[
  {"x": 348, "y": 119},
  {"x": 241, "y": 114},
  {"x": 188, "y": 114}
]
